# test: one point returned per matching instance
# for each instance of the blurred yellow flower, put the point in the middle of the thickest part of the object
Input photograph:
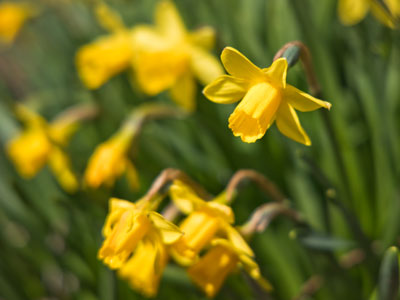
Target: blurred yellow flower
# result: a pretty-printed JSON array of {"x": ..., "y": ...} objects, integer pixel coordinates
[
  {"x": 204, "y": 221},
  {"x": 353, "y": 11},
  {"x": 110, "y": 160},
  {"x": 211, "y": 270},
  {"x": 107, "y": 56},
  {"x": 127, "y": 225},
  {"x": 144, "y": 269},
  {"x": 265, "y": 98},
  {"x": 13, "y": 15},
  {"x": 167, "y": 56},
  {"x": 40, "y": 143}
]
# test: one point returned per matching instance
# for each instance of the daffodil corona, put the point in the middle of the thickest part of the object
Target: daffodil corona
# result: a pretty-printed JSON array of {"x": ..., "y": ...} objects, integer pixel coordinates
[
  {"x": 110, "y": 160},
  {"x": 265, "y": 98}
]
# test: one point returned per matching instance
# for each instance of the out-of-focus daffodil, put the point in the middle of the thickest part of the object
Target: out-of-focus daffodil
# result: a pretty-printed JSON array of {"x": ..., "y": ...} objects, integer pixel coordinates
[
  {"x": 13, "y": 15},
  {"x": 226, "y": 255},
  {"x": 167, "y": 56},
  {"x": 204, "y": 221},
  {"x": 41, "y": 143},
  {"x": 265, "y": 97},
  {"x": 129, "y": 224},
  {"x": 107, "y": 56},
  {"x": 353, "y": 11},
  {"x": 110, "y": 160}
]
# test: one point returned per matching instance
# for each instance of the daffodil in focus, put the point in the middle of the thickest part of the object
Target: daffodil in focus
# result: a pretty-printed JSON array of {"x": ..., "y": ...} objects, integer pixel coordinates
[
  {"x": 352, "y": 12},
  {"x": 224, "y": 258},
  {"x": 110, "y": 160},
  {"x": 264, "y": 97},
  {"x": 42, "y": 143},
  {"x": 13, "y": 15},
  {"x": 168, "y": 57},
  {"x": 204, "y": 221},
  {"x": 135, "y": 239}
]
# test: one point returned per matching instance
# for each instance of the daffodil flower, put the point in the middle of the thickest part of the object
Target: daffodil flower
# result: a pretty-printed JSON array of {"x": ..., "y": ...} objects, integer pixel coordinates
[
  {"x": 205, "y": 219},
  {"x": 108, "y": 55},
  {"x": 167, "y": 56},
  {"x": 144, "y": 269},
  {"x": 42, "y": 143},
  {"x": 110, "y": 160},
  {"x": 353, "y": 11},
  {"x": 265, "y": 98},
  {"x": 127, "y": 225},
  {"x": 225, "y": 256},
  {"x": 12, "y": 17}
]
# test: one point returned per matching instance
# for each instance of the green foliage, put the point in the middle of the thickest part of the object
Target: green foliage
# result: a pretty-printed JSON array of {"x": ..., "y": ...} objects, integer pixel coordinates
[{"x": 346, "y": 185}]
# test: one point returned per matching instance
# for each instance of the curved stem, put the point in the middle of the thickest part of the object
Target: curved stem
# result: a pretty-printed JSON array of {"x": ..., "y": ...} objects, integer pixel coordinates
[{"x": 263, "y": 182}]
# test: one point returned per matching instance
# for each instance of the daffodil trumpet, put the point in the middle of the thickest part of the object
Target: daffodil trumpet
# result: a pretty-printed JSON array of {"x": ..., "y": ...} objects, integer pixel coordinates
[{"x": 264, "y": 98}]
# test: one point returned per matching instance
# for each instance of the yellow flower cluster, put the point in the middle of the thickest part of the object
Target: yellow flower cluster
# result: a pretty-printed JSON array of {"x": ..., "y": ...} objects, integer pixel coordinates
[
  {"x": 139, "y": 242},
  {"x": 40, "y": 143}
]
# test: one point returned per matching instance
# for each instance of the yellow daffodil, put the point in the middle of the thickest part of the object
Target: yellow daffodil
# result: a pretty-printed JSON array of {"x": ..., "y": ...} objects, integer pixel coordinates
[
  {"x": 13, "y": 15},
  {"x": 211, "y": 270},
  {"x": 204, "y": 221},
  {"x": 110, "y": 160},
  {"x": 126, "y": 225},
  {"x": 41, "y": 143},
  {"x": 144, "y": 269},
  {"x": 167, "y": 56},
  {"x": 353, "y": 11},
  {"x": 107, "y": 56},
  {"x": 265, "y": 97}
]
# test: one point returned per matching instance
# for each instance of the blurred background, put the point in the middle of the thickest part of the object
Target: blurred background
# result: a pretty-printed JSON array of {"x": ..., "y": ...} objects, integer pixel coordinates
[{"x": 49, "y": 238}]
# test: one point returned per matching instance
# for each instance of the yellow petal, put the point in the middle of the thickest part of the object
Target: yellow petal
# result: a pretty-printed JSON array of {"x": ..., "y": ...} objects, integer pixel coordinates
[
  {"x": 220, "y": 210},
  {"x": 203, "y": 37},
  {"x": 60, "y": 131},
  {"x": 132, "y": 175},
  {"x": 226, "y": 89},
  {"x": 277, "y": 72},
  {"x": 108, "y": 18},
  {"x": 303, "y": 101},
  {"x": 211, "y": 270},
  {"x": 105, "y": 57},
  {"x": 253, "y": 270},
  {"x": 382, "y": 14},
  {"x": 61, "y": 167},
  {"x": 13, "y": 15},
  {"x": 288, "y": 124},
  {"x": 170, "y": 233},
  {"x": 205, "y": 66},
  {"x": 157, "y": 62},
  {"x": 352, "y": 11},
  {"x": 168, "y": 21},
  {"x": 183, "y": 92},
  {"x": 184, "y": 197},
  {"x": 255, "y": 113},
  {"x": 394, "y": 7},
  {"x": 238, "y": 65},
  {"x": 238, "y": 243}
]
